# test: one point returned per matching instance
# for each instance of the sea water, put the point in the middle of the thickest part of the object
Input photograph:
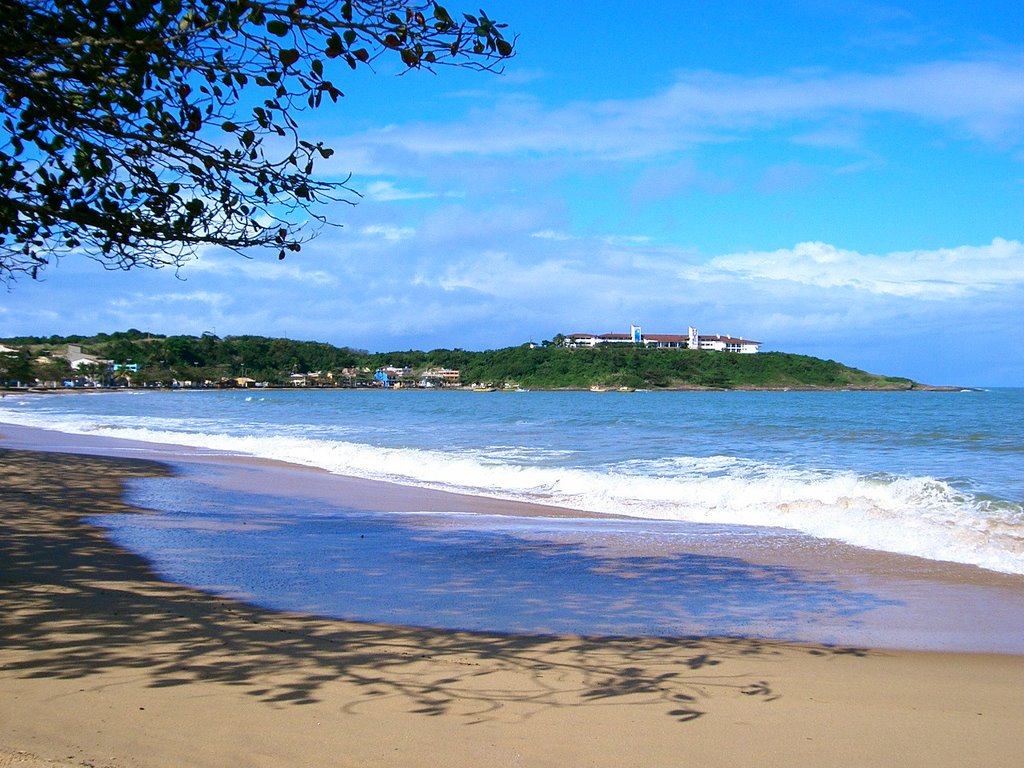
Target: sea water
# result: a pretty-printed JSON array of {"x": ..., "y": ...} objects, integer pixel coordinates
[
  {"x": 939, "y": 475},
  {"x": 936, "y": 475}
]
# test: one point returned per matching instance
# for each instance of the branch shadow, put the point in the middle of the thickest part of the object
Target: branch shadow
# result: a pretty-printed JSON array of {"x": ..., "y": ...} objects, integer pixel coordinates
[{"x": 72, "y": 605}]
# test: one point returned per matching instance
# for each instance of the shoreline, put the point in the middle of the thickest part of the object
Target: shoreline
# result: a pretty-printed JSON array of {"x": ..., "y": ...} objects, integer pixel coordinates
[
  {"x": 103, "y": 664},
  {"x": 913, "y": 387},
  {"x": 909, "y": 603}
]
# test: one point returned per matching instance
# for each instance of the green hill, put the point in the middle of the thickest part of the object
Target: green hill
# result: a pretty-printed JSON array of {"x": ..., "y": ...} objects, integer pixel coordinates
[
  {"x": 209, "y": 358},
  {"x": 626, "y": 366}
]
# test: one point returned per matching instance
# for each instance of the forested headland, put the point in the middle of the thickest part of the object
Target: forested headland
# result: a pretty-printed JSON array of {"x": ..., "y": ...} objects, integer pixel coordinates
[{"x": 136, "y": 358}]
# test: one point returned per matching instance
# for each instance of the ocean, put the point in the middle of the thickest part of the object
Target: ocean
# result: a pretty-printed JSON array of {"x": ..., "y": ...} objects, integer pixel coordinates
[{"x": 933, "y": 475}]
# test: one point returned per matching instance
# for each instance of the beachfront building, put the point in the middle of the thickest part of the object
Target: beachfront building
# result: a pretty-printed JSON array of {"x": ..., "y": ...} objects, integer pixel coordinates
[
  {"x": 391, "y": 377},
  {"x": 312, "y": 379},
  {"x": 440, "y": 377},
  {"x": 690, "y": 340},
  {"x": 76, "y": 358},
  {"x": 355, "y": 377}
]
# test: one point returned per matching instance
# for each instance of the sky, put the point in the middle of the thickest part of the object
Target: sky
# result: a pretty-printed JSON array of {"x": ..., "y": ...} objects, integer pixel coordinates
[{"x": 832, "y": 178}]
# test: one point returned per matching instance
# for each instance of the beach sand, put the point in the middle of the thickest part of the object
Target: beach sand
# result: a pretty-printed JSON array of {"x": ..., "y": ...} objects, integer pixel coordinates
[{"x": 104, "y": 664}]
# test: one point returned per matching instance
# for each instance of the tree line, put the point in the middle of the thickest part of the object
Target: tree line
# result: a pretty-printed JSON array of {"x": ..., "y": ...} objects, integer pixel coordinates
[{"x": 165, "y": 360}]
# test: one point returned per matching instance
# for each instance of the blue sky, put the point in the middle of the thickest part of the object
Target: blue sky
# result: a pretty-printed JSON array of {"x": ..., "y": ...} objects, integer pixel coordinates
[{"x": 840, "y": 179}]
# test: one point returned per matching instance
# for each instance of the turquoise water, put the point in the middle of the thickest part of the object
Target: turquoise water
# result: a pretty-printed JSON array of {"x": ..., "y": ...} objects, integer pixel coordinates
[{"x": 940, "y": 475}]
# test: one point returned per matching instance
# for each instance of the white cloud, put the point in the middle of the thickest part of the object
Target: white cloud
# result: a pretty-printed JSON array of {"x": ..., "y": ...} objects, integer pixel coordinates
[
  {"x": 550, "y": 234},
  {"x": 828, "y": 284},
  {"x": 388, "y": 232},
  {"x": 982, "y": 98},
  {"x": 136, "y": 300},
  {"x": 258, "y": 270},
  {"x": 386, "y": 192},
  {"x": 927, "y": 275},
  {"x": 985, "y": 96},
  {"x": 627, "y": 239}
]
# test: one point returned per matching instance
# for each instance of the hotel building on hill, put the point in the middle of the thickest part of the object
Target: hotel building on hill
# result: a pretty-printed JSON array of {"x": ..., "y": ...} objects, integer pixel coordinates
[{"x": 691, "y": 340}]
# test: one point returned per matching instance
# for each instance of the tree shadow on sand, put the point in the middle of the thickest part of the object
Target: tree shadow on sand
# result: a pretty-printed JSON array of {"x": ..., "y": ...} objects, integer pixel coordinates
[
  {"x": 505, "y": 574},
  {"x": 74, "y": 605}
]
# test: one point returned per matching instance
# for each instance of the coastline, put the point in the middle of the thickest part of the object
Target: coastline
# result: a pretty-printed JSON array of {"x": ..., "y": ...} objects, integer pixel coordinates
[
  {"x": 802, "y": 589},
  {"x": 910, "y": 387},
  {"x": 104, "y": 664}
]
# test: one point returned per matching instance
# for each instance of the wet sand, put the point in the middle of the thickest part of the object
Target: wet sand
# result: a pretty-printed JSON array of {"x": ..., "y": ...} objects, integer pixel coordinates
[
  {"x": 765, "y": 583},
  {"x": 104, "y": 664}
]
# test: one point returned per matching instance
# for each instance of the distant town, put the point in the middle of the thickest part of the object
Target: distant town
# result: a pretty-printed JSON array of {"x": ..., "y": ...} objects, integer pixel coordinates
[{"x": 135, "y": 359}]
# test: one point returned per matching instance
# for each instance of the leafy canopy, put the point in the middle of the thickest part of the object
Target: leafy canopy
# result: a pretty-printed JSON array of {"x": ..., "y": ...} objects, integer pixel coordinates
[{"x": 136, "y": 131}]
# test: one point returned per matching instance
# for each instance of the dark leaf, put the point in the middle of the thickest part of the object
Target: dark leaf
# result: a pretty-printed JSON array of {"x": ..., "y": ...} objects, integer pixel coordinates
[
  {"x": 277, "y": 27},
  {"x": 288, "y": 56},
  {"x": 334, "y": 47}
]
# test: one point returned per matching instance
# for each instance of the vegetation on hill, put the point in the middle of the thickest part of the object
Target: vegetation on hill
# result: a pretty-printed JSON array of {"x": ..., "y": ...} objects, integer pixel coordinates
[
  {"x": 167, "y": 359},
  {"x": 627, "y": 366}
]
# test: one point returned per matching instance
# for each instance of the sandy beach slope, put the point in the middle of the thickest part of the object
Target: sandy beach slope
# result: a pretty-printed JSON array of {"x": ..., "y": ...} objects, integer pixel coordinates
[{"x": 103, "y": 664}]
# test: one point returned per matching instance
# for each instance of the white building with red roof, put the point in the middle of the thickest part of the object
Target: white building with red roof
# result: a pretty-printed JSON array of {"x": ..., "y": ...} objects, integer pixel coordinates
[{"x": 691, "y": 340}]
